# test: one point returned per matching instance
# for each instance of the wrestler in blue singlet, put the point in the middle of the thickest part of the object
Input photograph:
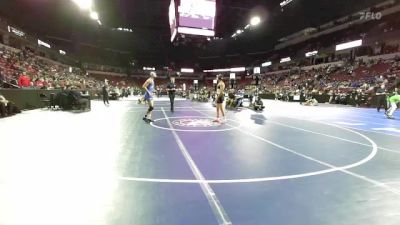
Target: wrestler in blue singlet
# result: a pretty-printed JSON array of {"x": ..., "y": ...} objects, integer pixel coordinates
[{"x": 150, "y": 87}]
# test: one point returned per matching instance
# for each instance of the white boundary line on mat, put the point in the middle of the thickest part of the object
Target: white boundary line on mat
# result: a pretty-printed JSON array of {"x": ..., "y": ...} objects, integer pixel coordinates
[
  {"x": 212, "y": 198},
  {"x": 374, "y": 151},
  {"x": 343, "y": 169}
]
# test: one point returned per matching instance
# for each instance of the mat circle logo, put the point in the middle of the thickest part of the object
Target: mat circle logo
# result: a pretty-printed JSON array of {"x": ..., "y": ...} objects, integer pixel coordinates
[{"x": 194, "y": 122}]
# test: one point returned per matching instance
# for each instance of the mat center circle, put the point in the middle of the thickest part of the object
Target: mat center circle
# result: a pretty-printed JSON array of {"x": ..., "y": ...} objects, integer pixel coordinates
[{"x": 195, "y": 122}]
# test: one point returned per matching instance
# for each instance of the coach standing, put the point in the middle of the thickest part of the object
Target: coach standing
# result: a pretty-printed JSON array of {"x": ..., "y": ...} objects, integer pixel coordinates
[{"x": 171, "y": 88}]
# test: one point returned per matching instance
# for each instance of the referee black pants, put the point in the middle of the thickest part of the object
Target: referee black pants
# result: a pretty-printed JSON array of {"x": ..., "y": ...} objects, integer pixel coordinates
[
  {"x": 381, "y": 101},
  {"x": 105, "y": 99},
  {"x": 3, "y": 110},
  {"x": 172, "y": 99}
]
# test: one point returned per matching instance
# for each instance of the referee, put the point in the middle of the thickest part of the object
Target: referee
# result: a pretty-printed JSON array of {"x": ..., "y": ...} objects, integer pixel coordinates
[
  {"x": 105, "y": 94},
  {"x": 381, "y": 98},
  {"x": 171, "y": 88}
]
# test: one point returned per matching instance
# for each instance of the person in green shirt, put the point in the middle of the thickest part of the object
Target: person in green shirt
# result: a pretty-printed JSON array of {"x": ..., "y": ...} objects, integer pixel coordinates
[{"x": 393, "y": 101}]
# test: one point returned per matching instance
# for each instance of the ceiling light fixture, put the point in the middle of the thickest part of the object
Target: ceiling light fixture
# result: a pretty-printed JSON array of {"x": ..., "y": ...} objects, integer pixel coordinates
[
  {"x": 94, "y": 15},
  {"x": 84, "y": 4},
  {"x": 255, "y": 21}
]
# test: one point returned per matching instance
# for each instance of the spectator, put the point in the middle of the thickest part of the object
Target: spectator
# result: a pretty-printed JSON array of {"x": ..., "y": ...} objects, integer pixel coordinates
[
  {"x": 7, "y": 108},
  {"x": 24, "y": 81},
  {"x": 39, "y": 83},
  {"x": 2, "y": 78}
]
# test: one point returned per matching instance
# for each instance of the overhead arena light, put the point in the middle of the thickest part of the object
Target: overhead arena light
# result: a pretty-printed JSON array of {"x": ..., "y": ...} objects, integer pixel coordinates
[
  {"x": 255, "y": 21},
  {"x": 348, "y": 45},
  {"x": 62, "y": 52},
  {"x": 42, "y": 43},
  {"x": 284, "y": 3},
  {"x": 287, "y": 59},
  {"x": 94, "y": 15},
  {"x": 99, "y": 22},
  {"x": 239, "y": 31},
  {"x": 149, "y": 68},
  {"x": 238, "y": 69},
  {"x": 187, "y": 70},
  {"x": 217, "y": 71},
  {"x": 16, "y": 31},
  {"x": 266, "y": 64},
  {"x": 84, "y": 4},
  {"x": 123, "y": 29},
  {"x": 313, "y": 53}
]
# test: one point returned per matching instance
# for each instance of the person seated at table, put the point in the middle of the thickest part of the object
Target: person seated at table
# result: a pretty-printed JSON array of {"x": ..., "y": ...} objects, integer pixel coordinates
[
  {"x": 258, "y": 104},
  {"x": 231, "y": 101},
  {"x": 80, "y": 99},
  {"x": 7, "y": 108},
  {"x": 71, "y": 97},
  {"x": 311, "y": 102}
]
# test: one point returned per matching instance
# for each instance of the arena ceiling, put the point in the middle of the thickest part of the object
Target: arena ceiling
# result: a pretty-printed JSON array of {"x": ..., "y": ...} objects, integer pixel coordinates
[{"x": 149, "y": 21}]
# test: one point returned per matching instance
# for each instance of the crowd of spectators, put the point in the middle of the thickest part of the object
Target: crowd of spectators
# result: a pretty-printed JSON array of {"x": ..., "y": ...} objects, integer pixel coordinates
[
  {"x": 23, "y": 69},
  {"x": 360, "y": 77}
]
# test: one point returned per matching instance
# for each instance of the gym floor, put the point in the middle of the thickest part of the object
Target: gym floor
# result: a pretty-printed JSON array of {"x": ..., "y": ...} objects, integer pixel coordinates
[{"x": 288, "y": 165}]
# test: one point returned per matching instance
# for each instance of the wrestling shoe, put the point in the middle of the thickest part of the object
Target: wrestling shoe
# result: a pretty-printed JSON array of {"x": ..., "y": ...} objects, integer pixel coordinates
[{"x": 216, "y": 121}]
